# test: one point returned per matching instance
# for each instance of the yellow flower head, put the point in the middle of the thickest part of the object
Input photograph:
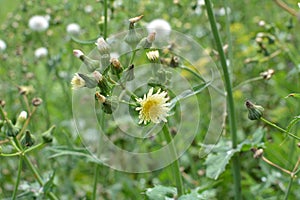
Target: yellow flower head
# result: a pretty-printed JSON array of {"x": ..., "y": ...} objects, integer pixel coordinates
[
  {"x": 153, "y": 107},
  {"x": 77, "y": 82}
]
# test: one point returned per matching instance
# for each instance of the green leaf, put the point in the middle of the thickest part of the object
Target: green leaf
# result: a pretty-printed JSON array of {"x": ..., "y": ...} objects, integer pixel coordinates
[
  {"x": 160, "y": 192},
  {"x": 195, "y": 195},
  {"x": 292, "y": 123},
  {"x": 49, "y": 184},
  {"x": 221, "y": 154}
]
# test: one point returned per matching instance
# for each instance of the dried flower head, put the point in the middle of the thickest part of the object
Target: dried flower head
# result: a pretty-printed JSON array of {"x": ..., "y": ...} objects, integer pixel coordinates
[
  {"x": 153, "y": 107},
  {"x": 36, "y": 101},
  {"x": 77, "y": 82},
  {"x": 136, "y": 19},
  {"x": 267, "y": 74}
]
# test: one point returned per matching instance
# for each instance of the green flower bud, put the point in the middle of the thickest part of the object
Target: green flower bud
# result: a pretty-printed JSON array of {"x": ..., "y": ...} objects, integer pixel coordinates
[
  {"x": 48, "y": 135},
  {"x": 21, "y": 119},
  {"x": 90, "y": 64},
  {"x": 102, "y": 83},
  {"x": 116, "y": 67},
  {"x": 12, "y": 131},
  {"x": 132, "y": 38},
  {"x": 89, "y": 82},
  {"x": 254, "y": 111},
  {"x": 28, "y": 139},
  {"x": 146, "y": 42},
  {"x": 129, "y": 73},
  {"x": 102, "y": 46}
]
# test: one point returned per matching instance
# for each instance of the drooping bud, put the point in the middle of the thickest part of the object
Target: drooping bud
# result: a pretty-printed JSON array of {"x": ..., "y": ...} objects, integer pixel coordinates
[
  {"x": 21, "y": 119},
  {"x": 48, "y": 135},
  {"x": 25, "y": 90},
  {"x": 28, "y": 139},
  {"x": 36, "y": 101},
  {"x": 102, "y": 46},
  {"x": 254, "y": 111},
  {"x": 90, "y": 64}
]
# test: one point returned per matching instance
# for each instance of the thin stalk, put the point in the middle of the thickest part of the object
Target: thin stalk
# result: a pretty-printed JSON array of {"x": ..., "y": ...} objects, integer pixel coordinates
[
  {"x": 105, "y": 20},
  {"x": 175, "y": 164},
  {"x": 232, "y": 118},
  {"x": 286, "y": 196},
  {"x": 279, "y": 128},
  {"x": 248, "y": 81},
  {"x": 97, "y": 168},
  {"x": 18, "y": 178}
]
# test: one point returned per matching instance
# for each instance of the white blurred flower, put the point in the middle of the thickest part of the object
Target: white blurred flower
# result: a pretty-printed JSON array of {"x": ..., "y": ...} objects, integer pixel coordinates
[
  {"x": 201, "y": 2},
  {"x": 73, "y": 29},
  {"x": 77, "y": 53},
  {"x": 261, "y": 23},
  {"x": 299, "y": 4},
  {"x": 38, "y": 23},
  {"x": 2, "y": 45},
  {"x": 77, "y": 82},
  {"x": 41, "y": 52},
  {"x": 154, "y": 107},
  {"x": 88, "y": 9},
  {"x": 161, "y": 27},
  {"x": 222, "y": 11}
]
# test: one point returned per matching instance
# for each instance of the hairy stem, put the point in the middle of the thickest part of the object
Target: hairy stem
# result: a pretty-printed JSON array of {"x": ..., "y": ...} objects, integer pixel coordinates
[{"x": 232, "y": 118}]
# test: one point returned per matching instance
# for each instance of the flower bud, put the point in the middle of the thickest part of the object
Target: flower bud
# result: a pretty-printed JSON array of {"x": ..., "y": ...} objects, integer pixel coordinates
[
  {"x": 28, "y": 139},
  {"x": 254, "y": 111},
  {"x": 257, "y": 152},
  {"x": 21, "y": 119},
  {"x": 129, "y": 73},
  {"x": 116, "y": 66},
  {"x": 48, "y": 135},
  {"x": 90, "y": 64},
  {"x": 102, "y": 46},
  {"x": 88, "y": 82},
  {"x": 102, "y": 83},
  {"x": 25, "y": 90},
  {"x": 36, "y": 101},
  {"x": 146, "y": 42},
  {"x": 99, "y": 97},
  {"x": 12, "y": 131},
  {"x": 132, "y": 38},
  {"x": 108, "y": 104}
]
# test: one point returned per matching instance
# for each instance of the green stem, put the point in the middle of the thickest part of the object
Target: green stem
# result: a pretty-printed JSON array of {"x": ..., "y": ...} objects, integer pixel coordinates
[
  {"x": 175, "y": 164},
  {"x": 97, "y": 168},
  {"x": 105, "y": 20},
  {"x": 18, "y": 178},
  {"x": 279, "y": 128},
  {"x": 232, "y": 118},
  {"x": 289, "y": 188},
  {"x": 132, "y": 56},
  {"x": 37, "y": 176}
]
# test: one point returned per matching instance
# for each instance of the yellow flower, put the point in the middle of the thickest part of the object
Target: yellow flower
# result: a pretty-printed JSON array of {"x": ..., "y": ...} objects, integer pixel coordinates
[
  {"x": 77, "y": 82},
  {"x": 154, "y": 107}
]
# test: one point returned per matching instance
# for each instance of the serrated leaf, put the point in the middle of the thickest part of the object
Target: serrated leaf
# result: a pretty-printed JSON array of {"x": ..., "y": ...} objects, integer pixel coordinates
[
  {"x": 195, "y": 195},
  {"x": 216, "y": 163},
  {"x": 160, "y": 192}
]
